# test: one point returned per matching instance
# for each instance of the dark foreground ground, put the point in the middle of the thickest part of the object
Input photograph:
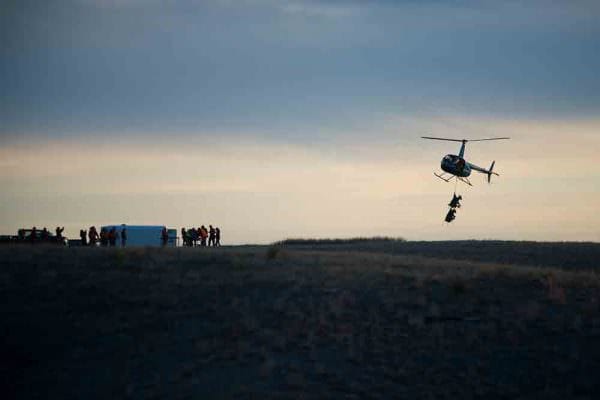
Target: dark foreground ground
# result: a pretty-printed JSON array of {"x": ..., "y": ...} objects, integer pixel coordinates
[
  {"x": 564, "y": 255},
  {"x": 260, "y": 322}
]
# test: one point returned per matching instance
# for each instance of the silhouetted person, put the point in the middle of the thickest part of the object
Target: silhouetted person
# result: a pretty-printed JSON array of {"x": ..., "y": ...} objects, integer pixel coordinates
[
  {"x": 211, "y": 235},
  {"x": 93, "y": 235},
  {"x": 123, "y": 237},
  {"x": 45, "y": 235},
  {"x": 203, "y": 235},
  {"x": 455, "y": 202},
  {"x": 33, "y": 235},
  {"x": 59, "y": 232},
  {"x": 183, "y": 237},
  {"x": 451, "y": 215},
  {"x": 112, "y": 237},
  {"x": 193, "y": 237},
  {"x": 103, "y": 237},
  {"x": 217, "y": 236},
  {"x": 83, "y": 237},
  {"x": 460, "y": 164},
  {"x": 164, "y": 236},
  {"x": 190, "y": 237}
]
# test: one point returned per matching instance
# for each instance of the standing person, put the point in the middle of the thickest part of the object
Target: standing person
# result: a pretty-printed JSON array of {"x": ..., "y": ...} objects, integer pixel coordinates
[
  {"x": 217, "y": 236},
  {"x": 112, "y": 237},
  {"x": 211, "y": 235},
  {"x": 183, "y": 237},
  {"x": 33, "y": 235},
  {"x": 123, "y": 236},
  {"x": 203, "y": 235},
  {"x": 103, "y": 237},
  {"x": 83, "y": 237},
  {"x": 164, "y": 236},
  {"x": 45, "y": 235},
  {"x": 194, "y": 237},
  {"x": 93, "y": 235},
  {"x": 59, "y": 232}
]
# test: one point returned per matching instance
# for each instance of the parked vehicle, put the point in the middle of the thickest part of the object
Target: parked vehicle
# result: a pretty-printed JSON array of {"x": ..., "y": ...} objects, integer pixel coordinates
[
  {"x": 140, "y": 235},
  {"x": 24, "y": 236}
]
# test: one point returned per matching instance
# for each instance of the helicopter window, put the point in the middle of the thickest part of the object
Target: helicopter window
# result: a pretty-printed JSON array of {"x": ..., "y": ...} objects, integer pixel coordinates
[{"x": 447, "y": 158}]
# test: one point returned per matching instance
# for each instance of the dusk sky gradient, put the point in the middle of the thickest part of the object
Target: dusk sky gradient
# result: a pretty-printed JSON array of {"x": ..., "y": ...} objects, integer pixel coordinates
[{"x": 300, "y": 118}]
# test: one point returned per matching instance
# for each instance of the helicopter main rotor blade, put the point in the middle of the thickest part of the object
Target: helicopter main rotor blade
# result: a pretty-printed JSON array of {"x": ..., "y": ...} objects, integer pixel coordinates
[
  {"x": 464, "y": 140},
  {"x": 437, "y": 138},
  {"x": 481, "y": 140}
]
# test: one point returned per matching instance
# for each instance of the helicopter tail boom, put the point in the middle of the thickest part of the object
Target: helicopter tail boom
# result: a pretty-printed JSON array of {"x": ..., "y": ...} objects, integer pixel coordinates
[{"x": 489, "y": 172}]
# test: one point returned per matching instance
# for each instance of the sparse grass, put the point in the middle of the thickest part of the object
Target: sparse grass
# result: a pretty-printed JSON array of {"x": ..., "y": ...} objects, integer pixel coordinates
[
  {"x": 355, "y": 241},
  {"x": 563, "y": 255},
  {"x": 207, "y": 323},
  {"x": 459, "y": 287}
]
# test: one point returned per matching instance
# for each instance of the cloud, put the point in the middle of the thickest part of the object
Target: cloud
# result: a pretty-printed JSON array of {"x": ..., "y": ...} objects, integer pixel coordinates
[
  {"x": 319, "y": 9},
  {"x": 207, "y": 63},
  {"x": 305, "y": 8}
]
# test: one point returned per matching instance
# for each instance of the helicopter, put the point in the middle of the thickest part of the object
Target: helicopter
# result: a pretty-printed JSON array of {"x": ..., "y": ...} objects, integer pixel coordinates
[{"x": 455, "y": 166}]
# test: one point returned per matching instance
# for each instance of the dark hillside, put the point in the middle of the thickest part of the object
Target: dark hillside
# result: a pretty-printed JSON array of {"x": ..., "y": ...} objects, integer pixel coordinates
[{"x": 566, "y": 255}]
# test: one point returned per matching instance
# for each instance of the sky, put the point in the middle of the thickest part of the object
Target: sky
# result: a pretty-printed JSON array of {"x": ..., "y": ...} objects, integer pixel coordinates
[{"x": 300, "y": 118}]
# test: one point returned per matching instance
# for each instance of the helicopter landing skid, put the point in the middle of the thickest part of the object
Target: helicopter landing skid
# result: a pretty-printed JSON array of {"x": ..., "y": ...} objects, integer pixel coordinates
[
  {"x": 442, "y": 177},
  {"x": 465, "y": 180}
]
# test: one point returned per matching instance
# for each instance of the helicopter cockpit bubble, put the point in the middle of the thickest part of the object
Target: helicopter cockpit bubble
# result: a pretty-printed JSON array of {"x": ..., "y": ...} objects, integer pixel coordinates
[{"x": 448, "y": 162}]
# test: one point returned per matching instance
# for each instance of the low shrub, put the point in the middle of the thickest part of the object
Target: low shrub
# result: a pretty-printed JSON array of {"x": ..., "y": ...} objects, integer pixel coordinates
[{"x": 272, "y": 252}]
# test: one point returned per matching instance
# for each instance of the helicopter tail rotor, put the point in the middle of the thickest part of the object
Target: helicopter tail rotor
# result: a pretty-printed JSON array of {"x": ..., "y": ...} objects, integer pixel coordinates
[{"x": 491, "y": 172}]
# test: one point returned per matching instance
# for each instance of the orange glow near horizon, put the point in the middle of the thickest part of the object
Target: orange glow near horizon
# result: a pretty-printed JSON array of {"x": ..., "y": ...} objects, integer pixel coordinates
[{"x": 261, "y": 191}]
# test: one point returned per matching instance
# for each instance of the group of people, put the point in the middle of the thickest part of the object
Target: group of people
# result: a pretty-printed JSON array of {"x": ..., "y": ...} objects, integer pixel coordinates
[
  {"x": 106, "y": 237},
  {"x": 42, "y": 236},
  {"x": 454, "y": 205},
  {"x": 113, "y": 236},
  {"x": 194, "y": 237}
]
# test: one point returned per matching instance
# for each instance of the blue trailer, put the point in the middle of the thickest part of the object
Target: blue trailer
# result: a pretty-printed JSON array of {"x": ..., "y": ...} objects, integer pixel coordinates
[{"x": 142, "y": 235}]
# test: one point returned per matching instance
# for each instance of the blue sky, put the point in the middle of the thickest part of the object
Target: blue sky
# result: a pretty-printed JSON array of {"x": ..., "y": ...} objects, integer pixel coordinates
[{"x": 349, "y": 81}]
